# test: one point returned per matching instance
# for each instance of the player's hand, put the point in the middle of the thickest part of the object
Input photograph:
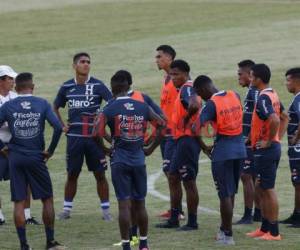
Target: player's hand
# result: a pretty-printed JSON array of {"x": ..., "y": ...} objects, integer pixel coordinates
[
  {"x": 46, "y": 155},
  {"x": 4, "y": 151},
  {"x": 247, "y": 140},
  {"x": 147, "y": 151},
  {"x": 208, "y": 151},
  {"x": 263, "y": 144},
  {"x": 66, "y": 128},
  {"x": 293, "y": 141}
]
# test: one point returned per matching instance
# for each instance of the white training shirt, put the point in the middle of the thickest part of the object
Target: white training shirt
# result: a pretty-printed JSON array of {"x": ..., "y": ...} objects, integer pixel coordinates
[{"x": 5, "y": 135}]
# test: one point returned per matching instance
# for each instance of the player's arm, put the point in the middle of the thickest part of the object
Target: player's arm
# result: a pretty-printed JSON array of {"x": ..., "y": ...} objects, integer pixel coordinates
[
  {"x": 60, "y": 102},
  {"x": 284, "y": 120},
  {"x": 3, "y": 147},
  {"x": 190, "y": 102},
  {"x": 294, "y": 140},
  {"x": 154, "y": 106},
  {"x": 159, "y": 123},
  {"x": 57, "y": 131},
  {"x": 99, "y": 132}
]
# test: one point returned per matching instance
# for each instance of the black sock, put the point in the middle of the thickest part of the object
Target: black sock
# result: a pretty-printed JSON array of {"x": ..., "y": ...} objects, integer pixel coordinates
[
  {"x": 228, "y": 233},
  {"x": 265, "y": 225},
  {"x": 192, "y": 220},
  {"x": 126, "y": 245},
  {"x": 21, "y": 231},
  {"x": 174, "y": 214},
  {"x": 274, "y": 230},
  {"x": 296, "y": 212},
  {"x": 49, "y": 233},
  {"x": 247, "y": 212},
  {"x": 133, "y": 231},
  {"x": 257, "y": 212},
  {"x": 143, "y": 242}
]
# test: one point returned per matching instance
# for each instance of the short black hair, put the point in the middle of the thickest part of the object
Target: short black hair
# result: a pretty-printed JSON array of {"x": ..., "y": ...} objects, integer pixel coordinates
[
  {"x": 119, "y": 83},
  {"x": 246, "y": 64},
  {"x": 293, "y": 72},
  {"x": 77, "y": 56},
  {"x": 126, "y": 74},
  {"x": 24, "y": 80},
  {"x": 168, "y": 50},
  {"x": 262, "y": 71},
  {"x": 181, "y": 65},
  {"x": 201, "y": 81}
]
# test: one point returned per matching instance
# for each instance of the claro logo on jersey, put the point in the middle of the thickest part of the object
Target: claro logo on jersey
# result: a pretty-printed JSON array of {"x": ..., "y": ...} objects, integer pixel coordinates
[{"x": 89, "y": 99}]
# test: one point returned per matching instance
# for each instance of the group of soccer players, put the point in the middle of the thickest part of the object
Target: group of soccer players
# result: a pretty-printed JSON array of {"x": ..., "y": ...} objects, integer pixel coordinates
[{"x": 246, "y": 144}]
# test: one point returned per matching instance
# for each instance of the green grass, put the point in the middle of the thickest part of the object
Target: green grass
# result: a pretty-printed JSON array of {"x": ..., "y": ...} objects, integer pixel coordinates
[{"x": 42, "y": 36}]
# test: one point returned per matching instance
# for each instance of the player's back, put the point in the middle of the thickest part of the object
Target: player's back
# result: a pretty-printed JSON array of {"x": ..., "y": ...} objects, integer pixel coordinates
[{"x": 26, "y": 117}]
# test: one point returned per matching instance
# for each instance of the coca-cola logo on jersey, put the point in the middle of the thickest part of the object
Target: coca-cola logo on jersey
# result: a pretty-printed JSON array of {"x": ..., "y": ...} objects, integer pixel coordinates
[{"x": 27, "y": 125}]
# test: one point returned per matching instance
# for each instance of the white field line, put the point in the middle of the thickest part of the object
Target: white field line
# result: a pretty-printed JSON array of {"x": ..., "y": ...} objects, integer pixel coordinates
[{"x": 151, "y": 190}]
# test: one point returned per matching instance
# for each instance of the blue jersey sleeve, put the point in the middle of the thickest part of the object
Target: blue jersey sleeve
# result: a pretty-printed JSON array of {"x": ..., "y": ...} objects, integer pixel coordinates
[
  {"x": 152, "y": 104},
  {"x": 61, "y": 99},
  {"x": 56, "y": 125},
  {"x": 264, "y": 107},
  {"x": 208, "y": 113},
  {"x": 105, "y": 93},
  {"x": 185, "y": 94}
]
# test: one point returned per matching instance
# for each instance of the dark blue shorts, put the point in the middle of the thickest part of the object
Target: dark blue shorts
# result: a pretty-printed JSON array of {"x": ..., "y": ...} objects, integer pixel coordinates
[
  {"x": 294, "y": 160},
  {"x": 4, "y": 169},
  {"x": 79, "y": 148},
  {"x": 226, "y": 176},
  {"x": 186, "y": 158},
  {"x": 130, "y": 182},
  {"x": 247, "y": 165},
  {"x": 266, "y": 163},
  {"x": 168, "y": 148},
  {"x": 29, "y": 170}
]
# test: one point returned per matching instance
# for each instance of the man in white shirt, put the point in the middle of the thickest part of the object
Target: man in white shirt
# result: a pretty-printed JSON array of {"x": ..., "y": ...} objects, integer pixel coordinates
[{"x": 7, "y": 75}]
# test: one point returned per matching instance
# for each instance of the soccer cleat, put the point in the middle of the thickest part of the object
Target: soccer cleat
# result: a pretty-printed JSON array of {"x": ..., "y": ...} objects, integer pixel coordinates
[
  {"x": 220, "y": 235},
  {"x": 107, "y": 217},
  {"x": 32, "y": 221},
  {"x": 134, "y": 242},
  {"x": 226, "y": 240},
  {"x": 290, "y": 220},
  {"x": 294, "y": 225},
  {"x": 145, "y": 248},
  {"x": 64, "y": 215},
  {"x": 256, "y": 233},
  {"x": 168, "y": 224},
  {"x": 269, "y": 236},
  {"x": 54, "y": 245},
  {"x": 167, "y": 215},
  {"x": 25, "y": 247},
  {"x": 245, "y": 220},
  {"x": 188, "y": 227},
  {"x": 2, "y": 222}
]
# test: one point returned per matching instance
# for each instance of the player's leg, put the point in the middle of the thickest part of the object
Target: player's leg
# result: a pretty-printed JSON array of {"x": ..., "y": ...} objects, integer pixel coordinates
[
  {"x": 4, "y": 175},
  {"x": 29, "y": 219},
  {"x": 2, "y": 218},
  {"x": 96, "y": 162},
  {"x": 75, "y": 156}
]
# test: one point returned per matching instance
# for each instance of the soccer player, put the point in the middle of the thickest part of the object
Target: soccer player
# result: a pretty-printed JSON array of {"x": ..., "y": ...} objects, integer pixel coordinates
[
  {"x": 26, "y": 116},
  {"x": 83, "y": 94},
  {"x": 165, "y": 55},
  {"x": 293, "y": 131},
  {"x": 247, "y": 168},
  {"x": 224, "y": 109},
  {"x": 184, "y": 166},
  {"x": 267, "y": 127},
  {"x": 127, "y": 119},
  {"x": 7, "y": 75}
]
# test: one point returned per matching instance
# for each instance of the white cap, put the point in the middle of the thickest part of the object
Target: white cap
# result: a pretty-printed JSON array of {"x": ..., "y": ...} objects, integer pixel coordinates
[{"x": 7, "y": 71}]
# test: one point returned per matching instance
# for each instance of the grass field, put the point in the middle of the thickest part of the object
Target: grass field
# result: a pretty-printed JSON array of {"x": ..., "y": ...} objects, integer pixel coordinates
[{"x": 41, "y": 37}]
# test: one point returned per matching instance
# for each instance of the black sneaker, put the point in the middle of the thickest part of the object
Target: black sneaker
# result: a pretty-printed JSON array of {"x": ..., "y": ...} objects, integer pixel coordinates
[
  {"x": 54, "y": 245},
  {"x": 294, "y": 225},
  {"x": 25, "y": 247},
  {"x": 168, "y": 224},
  {"x": 290, "y": 220},
  {"x": 188, "y": 227},
  {"x": 32, "y": 221},
  {"x": 245, "y": 220},
  {"x": 2, "y": 222}
]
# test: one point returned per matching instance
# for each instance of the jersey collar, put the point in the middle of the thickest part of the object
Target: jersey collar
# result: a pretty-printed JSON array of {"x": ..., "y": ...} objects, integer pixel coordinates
[
  {"x": 220, "y": 92},
  {"x": 24, "y": 95},
  {"x": 122, "y": 97},
  {"x": 88, "y": 79}
]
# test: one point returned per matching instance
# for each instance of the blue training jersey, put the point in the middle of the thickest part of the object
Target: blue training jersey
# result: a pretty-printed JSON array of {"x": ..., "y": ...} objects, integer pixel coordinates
[
  {"x": 249, "y": 104},
  {"x": 84, "y": 101},
  {"x": 26, "y": 116},
  {"x": 225, "y": 147},
  {"x": 127, "y": 119},
  {"x": 294, "y": 121}
]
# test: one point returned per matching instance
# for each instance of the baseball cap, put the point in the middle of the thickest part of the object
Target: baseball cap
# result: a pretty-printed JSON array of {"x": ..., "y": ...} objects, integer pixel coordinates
[{"x": 7, "y": 71}]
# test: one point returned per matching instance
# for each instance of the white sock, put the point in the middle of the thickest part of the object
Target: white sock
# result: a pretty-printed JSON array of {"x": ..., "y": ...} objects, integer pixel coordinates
[
  {"x": 27, "y": 213},
  {"x": 1, "y": 215},
  {"x": 105, "y": 206},
  {"x": 68, "y": 205}
]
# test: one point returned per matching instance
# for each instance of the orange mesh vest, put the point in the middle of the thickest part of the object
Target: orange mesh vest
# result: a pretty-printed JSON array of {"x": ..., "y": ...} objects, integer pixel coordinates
[
  {"x": 260, "y": 129},
  {"x": 168, "y": 96},
  {"x": 229, "y": 112},
  {"x": 138, "y": 96},
  {"x": 179, "y": 113}
]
